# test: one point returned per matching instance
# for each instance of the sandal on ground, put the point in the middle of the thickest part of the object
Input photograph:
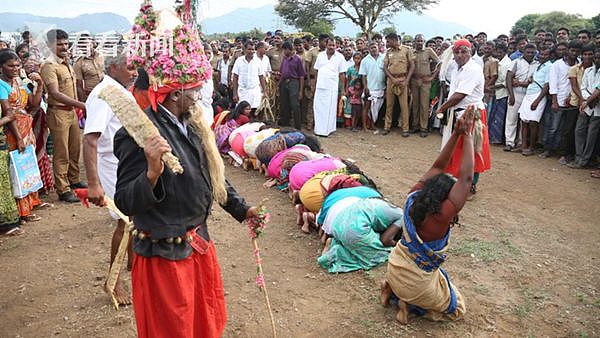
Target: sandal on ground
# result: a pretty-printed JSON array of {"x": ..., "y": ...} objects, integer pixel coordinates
[
  {"x": 44, "y": 205},
  {"x": 16, "y": 231},
  {"x": 595, "y": 174},
  {"x": 31, "y": 218}
]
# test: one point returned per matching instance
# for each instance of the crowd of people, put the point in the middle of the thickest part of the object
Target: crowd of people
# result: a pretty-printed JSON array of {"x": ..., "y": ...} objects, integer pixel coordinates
[{"x": 264, "y": 106}]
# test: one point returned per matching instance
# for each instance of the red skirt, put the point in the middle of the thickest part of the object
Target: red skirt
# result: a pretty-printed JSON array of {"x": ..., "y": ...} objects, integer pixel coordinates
[
  {"x": 483, "y": 161},
  {"x": 179, "y": 298}
]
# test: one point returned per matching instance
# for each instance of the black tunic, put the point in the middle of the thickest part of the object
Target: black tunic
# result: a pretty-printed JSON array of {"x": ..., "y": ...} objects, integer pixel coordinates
[{"x": 177, "y": 203}]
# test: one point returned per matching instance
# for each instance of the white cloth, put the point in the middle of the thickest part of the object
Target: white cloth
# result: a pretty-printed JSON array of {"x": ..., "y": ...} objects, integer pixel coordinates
[
  {"x": 335, "y": 210},
  {"x": 329, "y": 69},
  {"x": 468, "y": 80},
  {"x": 252, "y": 141},
  {"x": 559, "y": 82},
  {"x": 223, "y": 68},
  {"x": 248, "y": 80},
  {"x": 206, "y": 102},
  {"x": 349, "y": 63},
  {"x": 325, "y": 104},
  {"x": 326, "y": 94},
  {"x": 503, "y": 66},
  {"x": 265, "y": 64},
  {"x": 511, "y": 129},
  {"x": 522, "y": 69},
  {"x": 478, "y": 59},
  {"x": 101, "y": 119},
  {"x": 525, "y": 112},
  {"x": 252, "y": 126},
  {"x": 376, "y": 99},
  {"x": 590, "y": 83}
]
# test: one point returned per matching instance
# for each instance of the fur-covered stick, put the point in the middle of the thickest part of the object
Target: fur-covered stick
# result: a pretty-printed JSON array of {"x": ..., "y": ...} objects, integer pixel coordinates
[
  {"x": 215, "y": 162},
  {"x": 135, "y": 121}
]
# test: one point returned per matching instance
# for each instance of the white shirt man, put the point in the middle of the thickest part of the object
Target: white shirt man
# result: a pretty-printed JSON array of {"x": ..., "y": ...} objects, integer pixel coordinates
[
  {"x": 559, "y": 83},
  {"x": 265, "y": 64},
  {"x": 101, "y": 119},
  {"x": 467, "y": 80},
  {"x": 326, "y": 94},
  {"x": 523, "y": 71},
  {"x": 371, "y": 69},
  {"x": 503, "y": 66},
  {"x": 248, "y": 73},
  {"x": 223, "y": 68}
]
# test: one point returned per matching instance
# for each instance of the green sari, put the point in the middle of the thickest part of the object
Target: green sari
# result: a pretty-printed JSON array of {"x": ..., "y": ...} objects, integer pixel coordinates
[
  {"x": 9, "y": 215},
  {"x": 356, "y": 229}
]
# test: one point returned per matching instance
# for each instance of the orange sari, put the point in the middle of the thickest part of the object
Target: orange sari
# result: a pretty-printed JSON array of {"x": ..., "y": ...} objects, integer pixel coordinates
[{"x": 17, "y": 101}]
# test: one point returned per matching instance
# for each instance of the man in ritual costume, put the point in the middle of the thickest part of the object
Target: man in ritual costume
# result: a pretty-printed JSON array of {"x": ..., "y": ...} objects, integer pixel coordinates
[{"x": 176, "y": 279}]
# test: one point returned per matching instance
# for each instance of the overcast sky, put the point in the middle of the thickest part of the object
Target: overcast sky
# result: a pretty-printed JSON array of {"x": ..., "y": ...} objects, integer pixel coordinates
[{"x": 494, "y": 17}]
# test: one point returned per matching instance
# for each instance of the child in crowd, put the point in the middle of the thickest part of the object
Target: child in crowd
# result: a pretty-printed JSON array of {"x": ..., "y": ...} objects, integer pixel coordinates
[{"x": 355, "y": 93}]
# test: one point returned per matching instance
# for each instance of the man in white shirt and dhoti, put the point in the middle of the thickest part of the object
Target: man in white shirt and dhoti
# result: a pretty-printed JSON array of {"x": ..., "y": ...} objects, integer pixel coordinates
[
  {"x": 331, "y": 71},
  {"x": 248, "y": 78}
]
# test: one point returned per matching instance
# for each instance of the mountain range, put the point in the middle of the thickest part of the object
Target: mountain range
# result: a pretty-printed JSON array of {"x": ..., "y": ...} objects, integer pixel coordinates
[
  {"x": 266, "y": 19},
  {"x": 243, "y": 19},
  {"x": 94, "y": 23}
]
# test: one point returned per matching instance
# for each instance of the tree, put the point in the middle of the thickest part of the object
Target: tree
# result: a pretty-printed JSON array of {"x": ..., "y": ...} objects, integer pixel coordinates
[
  {"x": 388, "y": 30},
  {"x": 525, "y": 23},
  {"x": 596, "y": 22},
  {"x": 319, "y": 26},
  {"x": 553, "y": 21},
  {"x": 363, "y": 13}
]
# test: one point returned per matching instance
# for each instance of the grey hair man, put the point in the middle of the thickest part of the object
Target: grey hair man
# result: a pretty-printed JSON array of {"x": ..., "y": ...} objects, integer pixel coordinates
[{"x": 99, "y": 159}]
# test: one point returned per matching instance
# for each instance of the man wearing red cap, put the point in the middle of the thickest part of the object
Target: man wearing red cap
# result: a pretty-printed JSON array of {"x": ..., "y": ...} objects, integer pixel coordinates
[
  {"x": 176, "y": 279},
  {"x": 466, "y": 89}
]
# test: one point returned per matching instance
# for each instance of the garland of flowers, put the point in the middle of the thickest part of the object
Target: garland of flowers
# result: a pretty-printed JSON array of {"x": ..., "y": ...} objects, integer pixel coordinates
[
  {"x": 184, "y": 63},
  {"x": 187, "y": 62},
  {"x": 256, "y": 227}
]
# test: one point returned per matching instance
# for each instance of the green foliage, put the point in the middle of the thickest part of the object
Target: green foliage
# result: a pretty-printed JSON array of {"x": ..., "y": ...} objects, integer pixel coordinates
[
  {"x": 388, "y": 30},
  {"x": 253, "y": 33},
  {"x": 553, "y": 21},
  {"x": 319, "y": 26},
  {"x": 364, "y": 14},
  {"x": 525, "y": 23}
]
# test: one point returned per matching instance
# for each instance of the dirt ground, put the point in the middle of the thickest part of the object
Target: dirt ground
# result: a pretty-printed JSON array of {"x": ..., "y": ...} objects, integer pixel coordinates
[{"x": 526, "y": 258}]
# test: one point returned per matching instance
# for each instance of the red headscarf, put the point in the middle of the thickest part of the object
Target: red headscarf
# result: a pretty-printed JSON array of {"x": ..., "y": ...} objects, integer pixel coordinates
[
  {"x": 461, "y": 43},
  {"x": 158, "y": 94}
]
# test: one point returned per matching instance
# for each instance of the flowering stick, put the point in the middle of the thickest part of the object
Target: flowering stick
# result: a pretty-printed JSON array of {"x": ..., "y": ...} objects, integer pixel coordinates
[{"x": 256, "y": 227}]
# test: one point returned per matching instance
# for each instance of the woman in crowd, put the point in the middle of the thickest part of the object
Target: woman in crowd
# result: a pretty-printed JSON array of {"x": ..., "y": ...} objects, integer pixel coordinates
[
  {"x": 41, "y": 132},
  {"x": 227, "y": 121},
  {"x": 9, "y": 214},
  {"x": 281, "y": 164},
  {"x": 303, "y": 171},
  {"x": 414, "y": 273},
  {"x": 16, "y": 99},
  {"x": 351, "y": 77}
]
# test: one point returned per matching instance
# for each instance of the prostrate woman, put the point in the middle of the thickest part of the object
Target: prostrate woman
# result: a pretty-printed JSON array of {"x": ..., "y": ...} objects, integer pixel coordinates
[
  {"x": 414, "y": 274},
  {"x": 226, "y": 122}
]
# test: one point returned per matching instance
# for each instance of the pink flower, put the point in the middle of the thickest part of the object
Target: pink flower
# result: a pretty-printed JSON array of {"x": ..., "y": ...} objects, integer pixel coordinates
[{"x": 260, "y": 280}]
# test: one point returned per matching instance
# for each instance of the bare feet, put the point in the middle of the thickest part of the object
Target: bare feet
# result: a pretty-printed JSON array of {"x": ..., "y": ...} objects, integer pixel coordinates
[
  {"x": 299, "y": 208},
  {"x": 327, "y": 245},
  {"x": 386, "y": 293},
  {"x": 305, "y": 223},
  {"x": 120, "y": 295},
  {"x": 323, "y": 237},
  {"x": 270, "y": 183},
  {"x": 402, "y": 315},
  {"x": 295, "y": 195}
]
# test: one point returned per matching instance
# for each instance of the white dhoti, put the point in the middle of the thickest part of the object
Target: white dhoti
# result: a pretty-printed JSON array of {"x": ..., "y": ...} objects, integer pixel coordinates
[
  {"x": 107, "y": 172},
  {"x": 325, "y": 108},
  {"x": 250, "y": 95},
  {"x": 525, "y": 112},
  {"x": 376, "y": 99}
]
